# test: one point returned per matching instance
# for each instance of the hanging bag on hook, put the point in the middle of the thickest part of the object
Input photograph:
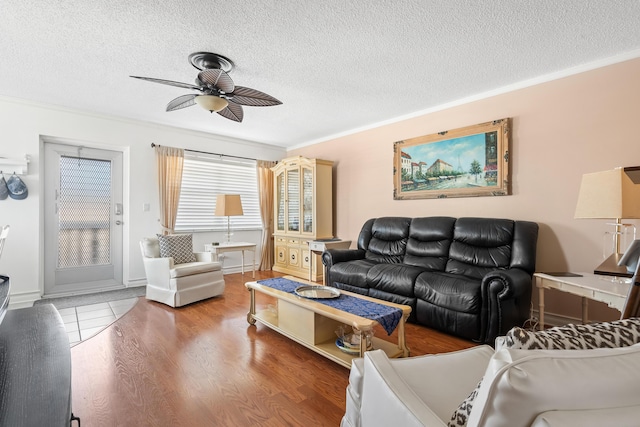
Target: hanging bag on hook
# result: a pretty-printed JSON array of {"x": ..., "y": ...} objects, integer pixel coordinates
[
  {"x": 4, "y": 191},
  {"x": 17, "y": 188}
]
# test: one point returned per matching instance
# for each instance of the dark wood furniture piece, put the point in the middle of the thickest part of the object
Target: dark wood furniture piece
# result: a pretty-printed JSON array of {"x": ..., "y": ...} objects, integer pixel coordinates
[{"x": 35, "y": 366}]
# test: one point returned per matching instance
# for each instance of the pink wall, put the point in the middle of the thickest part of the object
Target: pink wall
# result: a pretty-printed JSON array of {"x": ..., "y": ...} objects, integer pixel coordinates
[{"x": 561, "y": 129}]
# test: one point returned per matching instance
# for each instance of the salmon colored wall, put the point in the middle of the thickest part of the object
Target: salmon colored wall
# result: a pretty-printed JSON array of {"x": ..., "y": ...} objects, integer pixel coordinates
[{"x": 561, "y": 129}]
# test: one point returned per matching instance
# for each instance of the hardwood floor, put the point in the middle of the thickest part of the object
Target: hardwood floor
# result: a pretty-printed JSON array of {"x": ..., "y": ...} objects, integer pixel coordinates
[{"x": 204, "y": 365}]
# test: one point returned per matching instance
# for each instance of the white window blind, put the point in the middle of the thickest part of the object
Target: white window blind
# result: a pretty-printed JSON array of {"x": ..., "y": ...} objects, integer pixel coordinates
[{"x": 205, "y": 176}]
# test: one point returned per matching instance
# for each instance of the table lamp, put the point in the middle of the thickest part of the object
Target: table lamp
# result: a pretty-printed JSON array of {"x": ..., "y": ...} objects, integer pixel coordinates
[
  {"x": 612, "y": 194},
  {"x": 228, "y": 205}
]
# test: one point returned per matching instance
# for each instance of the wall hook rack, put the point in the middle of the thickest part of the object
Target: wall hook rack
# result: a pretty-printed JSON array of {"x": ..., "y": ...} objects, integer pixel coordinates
[{"x": 17, "y": 166}]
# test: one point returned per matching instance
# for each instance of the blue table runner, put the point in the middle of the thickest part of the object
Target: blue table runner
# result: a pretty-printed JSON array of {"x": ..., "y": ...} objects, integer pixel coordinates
[{"x": 388, "y": 317}]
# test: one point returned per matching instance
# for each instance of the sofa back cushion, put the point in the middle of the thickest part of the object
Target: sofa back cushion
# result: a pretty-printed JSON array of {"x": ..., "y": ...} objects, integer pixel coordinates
[
  {"x": 385, "y": 239},
  {"x": 480, "y": 245},
  {"x": 468, "y": 246},
  {"x": 429, "y": 242}
]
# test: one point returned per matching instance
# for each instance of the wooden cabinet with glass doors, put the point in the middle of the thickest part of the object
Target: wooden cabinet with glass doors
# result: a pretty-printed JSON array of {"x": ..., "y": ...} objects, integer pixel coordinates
[{"x": 303, "y": 211}]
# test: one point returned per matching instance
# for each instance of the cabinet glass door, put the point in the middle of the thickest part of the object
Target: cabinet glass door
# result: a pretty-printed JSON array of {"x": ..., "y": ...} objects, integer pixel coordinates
[
  {"x": 293, "y": 200},
  {"x": 307, "y": 200},
  {"x": 280, "y": 202}
]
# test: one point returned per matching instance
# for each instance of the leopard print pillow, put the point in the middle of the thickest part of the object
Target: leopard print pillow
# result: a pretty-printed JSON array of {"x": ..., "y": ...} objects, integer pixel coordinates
[
  {"x": 461, "y": 415},
  {"x": 619, "y": 333}
]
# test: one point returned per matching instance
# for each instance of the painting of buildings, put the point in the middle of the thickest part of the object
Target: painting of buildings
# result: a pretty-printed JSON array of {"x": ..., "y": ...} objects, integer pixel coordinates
[{"x": 454, "y": 166}]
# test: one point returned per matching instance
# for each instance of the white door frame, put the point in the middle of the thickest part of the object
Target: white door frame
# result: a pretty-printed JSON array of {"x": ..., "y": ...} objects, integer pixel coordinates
[{"x": 49, "y": 286}]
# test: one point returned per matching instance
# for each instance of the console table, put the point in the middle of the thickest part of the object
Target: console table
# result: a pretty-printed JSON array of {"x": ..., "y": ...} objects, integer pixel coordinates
[
  {"x": 234, "y": 247},
  {"x": 35, "y": 366},
  {"x": 586, "y": 285}
]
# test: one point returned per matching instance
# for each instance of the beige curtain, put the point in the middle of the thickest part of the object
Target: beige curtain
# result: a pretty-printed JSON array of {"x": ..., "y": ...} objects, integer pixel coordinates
[
  {"x": 169, "y": 161},
  {"x": 265, "y": 194}
]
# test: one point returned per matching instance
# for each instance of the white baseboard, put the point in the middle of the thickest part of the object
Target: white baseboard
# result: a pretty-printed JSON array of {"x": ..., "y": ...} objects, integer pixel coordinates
[
  {"x": 554, "y": 319},
  {"x": 232, "y": 269},
  {"x": 23, "y": 300}
]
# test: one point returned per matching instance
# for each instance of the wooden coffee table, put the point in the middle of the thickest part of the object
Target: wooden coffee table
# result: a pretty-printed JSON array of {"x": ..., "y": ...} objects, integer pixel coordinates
[{"x": 313, "y": 324}]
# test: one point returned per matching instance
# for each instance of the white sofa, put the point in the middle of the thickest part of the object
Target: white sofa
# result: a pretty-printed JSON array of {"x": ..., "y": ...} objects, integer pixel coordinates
[
  {"x": 595, "y": 387},
  {"x": 180, "y": 284}
]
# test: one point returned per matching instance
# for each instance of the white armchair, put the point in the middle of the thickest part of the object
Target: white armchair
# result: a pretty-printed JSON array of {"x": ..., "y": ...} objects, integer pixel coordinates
[
  {"x": 518, "y": 387},
  {"x": 180, "y": 284}
]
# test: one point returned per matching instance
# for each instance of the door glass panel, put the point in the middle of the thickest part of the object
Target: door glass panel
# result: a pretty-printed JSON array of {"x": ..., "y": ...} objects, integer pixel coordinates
[
  {"x": 293, "y": 199},
  {"x": 280, "y": 201},
  {"x": 84, "y": 212},
  {"x": 307, "y": 200}
]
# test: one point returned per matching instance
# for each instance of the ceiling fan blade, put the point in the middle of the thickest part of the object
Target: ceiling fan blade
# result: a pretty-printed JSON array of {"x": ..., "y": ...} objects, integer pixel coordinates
[
  {"x": 182, "y": 101},
  {"x": 233, "y": 112},
  {"x": 215, "y": 77},
  {"x": 252, "y": 97},
  {"x": 168, "y": 82}
]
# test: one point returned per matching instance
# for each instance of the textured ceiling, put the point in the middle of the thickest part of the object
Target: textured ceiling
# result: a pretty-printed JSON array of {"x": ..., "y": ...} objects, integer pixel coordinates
[{"x": 336, "y": 65}]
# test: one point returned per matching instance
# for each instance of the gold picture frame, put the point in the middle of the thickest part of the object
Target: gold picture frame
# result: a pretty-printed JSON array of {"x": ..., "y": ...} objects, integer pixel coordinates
[{"x": 466, "y": 162}]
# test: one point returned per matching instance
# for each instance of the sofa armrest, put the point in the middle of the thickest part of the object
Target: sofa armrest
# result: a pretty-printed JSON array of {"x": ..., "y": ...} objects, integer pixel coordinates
[
  {"x": 507, "y": 284},
  {"x": 625, "y": 416},
  {"x": 334, "y": 256},
  {"x": 519, "y": 385},
  {"x": 158, "y": 271},
  {"x": 506, "y": 300},
  {"x": 388, "y": 400}
]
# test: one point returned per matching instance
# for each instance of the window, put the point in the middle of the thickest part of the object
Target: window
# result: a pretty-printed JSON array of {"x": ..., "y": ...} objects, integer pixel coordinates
[{"x": 204, "y": 176}]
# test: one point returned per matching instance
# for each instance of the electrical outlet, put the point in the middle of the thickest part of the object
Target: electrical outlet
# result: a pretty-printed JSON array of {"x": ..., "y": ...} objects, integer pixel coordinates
[{"x": 146, "y": 207}]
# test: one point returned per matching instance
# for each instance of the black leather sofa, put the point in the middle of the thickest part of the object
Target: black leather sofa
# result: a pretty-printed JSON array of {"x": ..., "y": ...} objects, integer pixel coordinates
[{"x": 470, "y": 277}]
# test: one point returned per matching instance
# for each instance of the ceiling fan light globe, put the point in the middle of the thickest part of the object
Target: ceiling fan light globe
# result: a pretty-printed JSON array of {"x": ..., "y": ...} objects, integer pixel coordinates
[{"x": 211, "y": 102}]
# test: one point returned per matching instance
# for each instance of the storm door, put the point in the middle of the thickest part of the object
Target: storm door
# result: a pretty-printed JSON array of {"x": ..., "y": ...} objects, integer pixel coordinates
[{"x": 83, "y": 219}]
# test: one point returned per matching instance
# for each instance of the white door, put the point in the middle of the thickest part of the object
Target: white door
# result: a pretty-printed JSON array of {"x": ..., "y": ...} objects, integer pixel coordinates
[{"x": 83, "y": 219}]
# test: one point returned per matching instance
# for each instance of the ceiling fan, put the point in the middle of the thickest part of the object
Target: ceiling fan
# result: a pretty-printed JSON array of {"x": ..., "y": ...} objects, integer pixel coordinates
[{"x": 215, "y": 89}]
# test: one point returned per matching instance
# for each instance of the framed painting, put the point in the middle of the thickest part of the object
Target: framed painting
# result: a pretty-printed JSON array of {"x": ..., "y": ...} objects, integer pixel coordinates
[{"x": 465, "y": 162}]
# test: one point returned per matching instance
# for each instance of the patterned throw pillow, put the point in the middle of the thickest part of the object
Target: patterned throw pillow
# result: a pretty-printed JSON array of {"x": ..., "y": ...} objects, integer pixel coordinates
[
  {"x": 461, "y": 415},
  {"x": 177, "y": 246},
  {"x": 619, "y": 333}
]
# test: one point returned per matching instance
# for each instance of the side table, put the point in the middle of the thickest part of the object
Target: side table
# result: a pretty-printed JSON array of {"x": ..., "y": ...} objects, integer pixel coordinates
[
  {"x": 586, "y": 285},
  {"x": 234, "y": 247},
  {"x": 319, "y": 246}
]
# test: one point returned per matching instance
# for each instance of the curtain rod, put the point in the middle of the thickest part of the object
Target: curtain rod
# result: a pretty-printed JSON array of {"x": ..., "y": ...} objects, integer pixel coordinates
[{"x": 206, "y": 152}]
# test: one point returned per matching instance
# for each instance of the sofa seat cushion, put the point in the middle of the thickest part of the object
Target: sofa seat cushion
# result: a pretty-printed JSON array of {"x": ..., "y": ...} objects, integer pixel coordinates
[
  {"x": 450, "y": 291},
  {"x": 353, "y": 272},
  {"x": 191, "y": 268},
  {"x": 394, "y": 278}
]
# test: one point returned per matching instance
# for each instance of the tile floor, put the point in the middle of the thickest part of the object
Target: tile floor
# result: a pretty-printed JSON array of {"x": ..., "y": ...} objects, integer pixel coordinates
[{"x": 85, "y": 321}]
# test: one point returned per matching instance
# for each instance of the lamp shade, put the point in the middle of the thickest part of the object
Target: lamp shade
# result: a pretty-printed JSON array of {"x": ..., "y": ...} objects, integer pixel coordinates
[
  {"x": 610, "y": 194},
  {"x": 211, "y": 102},
  {"x": 228, "y": 205}
]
